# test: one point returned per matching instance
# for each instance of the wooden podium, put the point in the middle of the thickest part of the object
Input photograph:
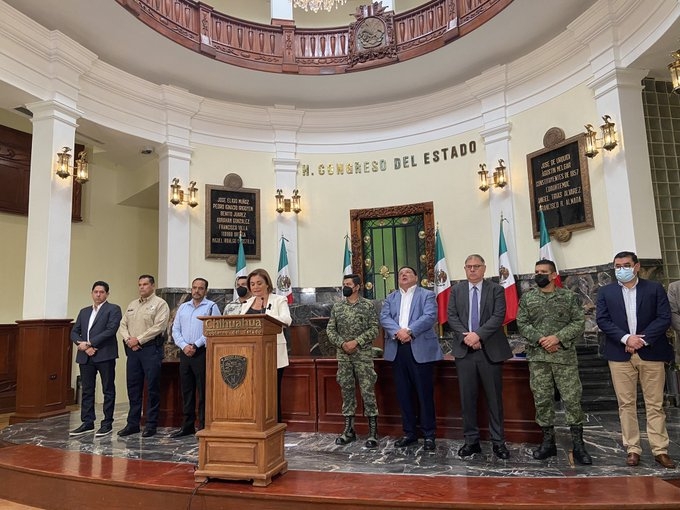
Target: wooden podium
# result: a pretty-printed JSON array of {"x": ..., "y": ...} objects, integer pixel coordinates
[{"x": 242, "y": 439}]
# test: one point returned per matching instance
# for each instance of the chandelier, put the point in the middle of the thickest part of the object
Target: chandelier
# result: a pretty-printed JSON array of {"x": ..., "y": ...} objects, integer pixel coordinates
[{"x": 316, "y": 5}]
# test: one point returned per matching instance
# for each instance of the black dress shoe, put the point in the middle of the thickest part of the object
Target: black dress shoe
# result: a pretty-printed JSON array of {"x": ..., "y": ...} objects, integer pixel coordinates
[
  {"x": 149, "y": 432},
  {"x": 501, "y": 451},
  {"x": 429, "y": 444},
  {"x": 405, "y": 441},
  {"x": 183, "y": 432},
  {"x": 104, "y": 430},
  {"x": 469, "y": 449},
  {"x": 128, "y": 431},
  {"x": 83, "y": 429}
]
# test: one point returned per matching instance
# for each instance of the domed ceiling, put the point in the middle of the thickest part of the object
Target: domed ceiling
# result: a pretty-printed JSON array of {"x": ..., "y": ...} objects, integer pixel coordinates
[{"x": 118, "y": 38}]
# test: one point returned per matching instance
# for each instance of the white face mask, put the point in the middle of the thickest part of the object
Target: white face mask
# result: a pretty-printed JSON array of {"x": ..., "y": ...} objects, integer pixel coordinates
[{"x": 624, "y": 274}]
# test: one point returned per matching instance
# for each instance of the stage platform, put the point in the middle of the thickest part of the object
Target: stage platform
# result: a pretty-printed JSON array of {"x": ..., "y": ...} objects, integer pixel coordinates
[{"x": 41, "y": 466}]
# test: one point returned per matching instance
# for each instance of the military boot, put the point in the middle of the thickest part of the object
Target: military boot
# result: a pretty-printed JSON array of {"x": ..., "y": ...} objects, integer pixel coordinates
[
  {"x": 547, "y": 448},
  {"x": 580, "y": 453},
  {"x": 348, "y": 435},
  {"x": 372, "y": 441}
]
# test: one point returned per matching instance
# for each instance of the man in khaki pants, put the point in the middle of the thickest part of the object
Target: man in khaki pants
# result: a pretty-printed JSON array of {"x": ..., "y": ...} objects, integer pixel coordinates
[{"x": 634, "y": 314}]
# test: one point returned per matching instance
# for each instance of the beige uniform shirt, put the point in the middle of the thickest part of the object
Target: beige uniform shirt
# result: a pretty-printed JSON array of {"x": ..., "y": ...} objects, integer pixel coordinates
[{"x": 145, "y": 319}]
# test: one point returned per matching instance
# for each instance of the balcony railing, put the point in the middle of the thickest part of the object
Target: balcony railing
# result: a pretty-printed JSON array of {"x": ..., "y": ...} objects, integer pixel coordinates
[{"x": 375, "y": 39}]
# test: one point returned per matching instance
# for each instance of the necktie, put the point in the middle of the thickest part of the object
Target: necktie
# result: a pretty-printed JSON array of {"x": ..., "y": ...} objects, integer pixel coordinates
[{"x": 474, "y": 310}]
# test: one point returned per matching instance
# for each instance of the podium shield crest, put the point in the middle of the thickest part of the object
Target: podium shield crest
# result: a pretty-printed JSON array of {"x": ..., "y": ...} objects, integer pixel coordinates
[{"x": 233, "y": 369}]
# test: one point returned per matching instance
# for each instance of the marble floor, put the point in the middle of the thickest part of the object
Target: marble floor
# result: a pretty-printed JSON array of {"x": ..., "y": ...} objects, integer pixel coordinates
[{"x": 318, "y": 452}]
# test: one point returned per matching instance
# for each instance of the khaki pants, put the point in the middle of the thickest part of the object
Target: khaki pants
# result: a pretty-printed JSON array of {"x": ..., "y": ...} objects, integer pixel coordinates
[{"x": 652, "y": 377}]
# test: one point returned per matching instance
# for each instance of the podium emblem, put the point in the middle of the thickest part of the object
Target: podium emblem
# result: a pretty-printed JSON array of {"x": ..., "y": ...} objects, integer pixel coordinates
[{"x": 233, "y": 369}]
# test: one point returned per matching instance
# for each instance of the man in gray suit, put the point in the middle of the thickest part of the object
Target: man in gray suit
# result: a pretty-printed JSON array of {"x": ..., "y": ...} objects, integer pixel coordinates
[
  {"x": 476, "y": 313},
  {"x": 408, "y": 316},
  {"x": 94, "y": 334}
]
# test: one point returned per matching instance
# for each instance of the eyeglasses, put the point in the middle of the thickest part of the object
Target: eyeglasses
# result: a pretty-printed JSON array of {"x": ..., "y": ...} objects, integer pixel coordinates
[{"x": 473, "y": 266}]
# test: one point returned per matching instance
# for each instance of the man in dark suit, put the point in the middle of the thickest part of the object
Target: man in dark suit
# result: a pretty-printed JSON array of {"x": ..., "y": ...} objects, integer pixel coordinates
[
  {"x": 634, "y": 314},
  {"x": 94, "y": 333},
  {"x": 480, "y": 346},
  {"x": 408, "y": 316}
]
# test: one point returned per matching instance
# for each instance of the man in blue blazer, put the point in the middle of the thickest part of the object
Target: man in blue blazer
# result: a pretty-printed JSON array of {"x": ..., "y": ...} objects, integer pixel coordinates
[
  {"x": 408, "y": 316},
  {"x": 480, "y": 347},
  {"x": 94, "y": 334},
  {"x": 634, "y": 314}
]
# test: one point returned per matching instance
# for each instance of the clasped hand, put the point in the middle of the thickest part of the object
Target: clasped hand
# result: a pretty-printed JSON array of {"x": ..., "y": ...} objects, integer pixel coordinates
[
  {"x": 350, "y": 346},
  {"x": 472, "y": 340},
  {"x": 634, "y": 342},
  {"x": 550, "y": 343}
]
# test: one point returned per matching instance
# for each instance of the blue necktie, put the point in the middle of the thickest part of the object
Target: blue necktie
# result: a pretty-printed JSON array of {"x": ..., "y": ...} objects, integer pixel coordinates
[{"x": 474, "y": 310}]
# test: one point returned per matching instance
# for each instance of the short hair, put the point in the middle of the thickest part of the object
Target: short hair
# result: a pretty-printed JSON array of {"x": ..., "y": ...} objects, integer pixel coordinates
[
  {"x": 546, "y": 262},
  {"x": 200, "y": 280},
  {"x": 356, "y": 279},
  {"x": 242, "y": 277},
  {"x": 475, "y": 256},
  {"x": 626, "y": 254},
  {"x": 100, "y": 283},
  {"x": 407, "y": 267},
  {"x": 262, "y": 273},
  {"x": 151, "y": 279}
]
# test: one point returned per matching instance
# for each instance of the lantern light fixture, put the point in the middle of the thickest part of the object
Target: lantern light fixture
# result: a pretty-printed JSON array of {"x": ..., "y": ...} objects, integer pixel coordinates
[
  {"x": 177, "y": 194},
  {"x": 608, "y": 140},
  {"x": 284, "y": 204}
]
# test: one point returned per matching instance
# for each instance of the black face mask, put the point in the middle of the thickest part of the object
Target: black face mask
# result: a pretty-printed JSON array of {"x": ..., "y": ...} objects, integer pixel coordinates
[
  {"x": 347, "y": 291},
  {"x": 241, "y": 291},
  {"x": 542, "y": 280}
]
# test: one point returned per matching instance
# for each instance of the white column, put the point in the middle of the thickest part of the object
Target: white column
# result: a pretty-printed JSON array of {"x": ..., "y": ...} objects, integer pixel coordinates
[
  {"x": 627, "y": 173},
  {"x": 286, "y": 121},
  {"x": 501, "y": 200},
  {"x": 174, "y": 221},
  {"x": 282, "y": 9},
  {"x": 48, "y": 240},
  {"x": 287, "y": 222},
  {"x": 489, "y": 89}
]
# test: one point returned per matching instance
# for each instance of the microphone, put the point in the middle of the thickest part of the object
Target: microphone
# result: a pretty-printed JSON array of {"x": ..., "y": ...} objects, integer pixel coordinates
[{"x": 269, "y": 307}]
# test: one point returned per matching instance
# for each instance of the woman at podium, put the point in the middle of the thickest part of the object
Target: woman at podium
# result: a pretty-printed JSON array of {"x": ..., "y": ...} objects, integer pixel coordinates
[{"x": 264, "y": 301}]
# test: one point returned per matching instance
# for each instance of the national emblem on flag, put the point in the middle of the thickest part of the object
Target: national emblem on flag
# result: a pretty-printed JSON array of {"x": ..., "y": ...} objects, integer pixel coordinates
[
  {"x": 442, "y": 281},
  {"x": 507, "y": 279},
  {"x": 283, "y": 283}
]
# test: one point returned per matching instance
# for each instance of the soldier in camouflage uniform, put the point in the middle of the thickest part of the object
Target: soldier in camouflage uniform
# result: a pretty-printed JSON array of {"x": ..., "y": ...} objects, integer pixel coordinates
[
  {"x": 352, "y": 328},
  {"x": 551, "y": 319}
]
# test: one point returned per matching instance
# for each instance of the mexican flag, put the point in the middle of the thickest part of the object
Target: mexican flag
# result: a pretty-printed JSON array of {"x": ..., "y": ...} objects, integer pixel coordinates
[
  {"x": 442, "y": 283},
  {"x": 283, "y": 283},
  {"x": 240, "y": 262},
  {"x": 347, "y": 261},
  {"x": 545, "y": 251},
  {"x": 507, "y": 279}
]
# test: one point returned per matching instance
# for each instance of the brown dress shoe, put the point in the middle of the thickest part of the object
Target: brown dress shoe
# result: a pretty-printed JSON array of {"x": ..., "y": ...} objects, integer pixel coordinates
[
  {"x": 633, "y": 459},
  {"x": 665, "y": 461}
]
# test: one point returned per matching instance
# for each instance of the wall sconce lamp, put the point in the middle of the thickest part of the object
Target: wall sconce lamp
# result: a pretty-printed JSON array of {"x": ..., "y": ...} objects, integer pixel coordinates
[
  {"x": 177, "y": 193},
  {"x": 608, "y": 139},
  {"x": 287, "y": 204},
  {"x": 674, "y": 69},
  {"x": 63, "y": 163},
  {"x": 82, "y": 168},
  {"x": 64, "y": 168},
  {"x": 498, "y": 178},
  {"x": 483, "y": 177}
]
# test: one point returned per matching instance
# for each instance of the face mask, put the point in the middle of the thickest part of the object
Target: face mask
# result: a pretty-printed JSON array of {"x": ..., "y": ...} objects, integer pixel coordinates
[
  {"x": 241, "y": 291},
  {"x": 542, "y": 280},
  {"x": 624, "y": 274},
  {"x": 347, "y": 291}
]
